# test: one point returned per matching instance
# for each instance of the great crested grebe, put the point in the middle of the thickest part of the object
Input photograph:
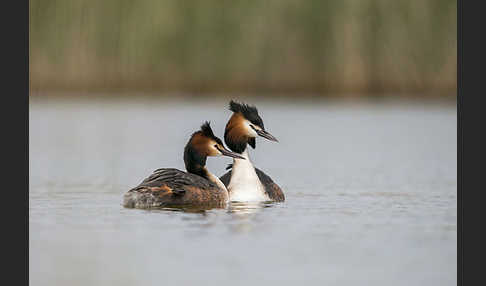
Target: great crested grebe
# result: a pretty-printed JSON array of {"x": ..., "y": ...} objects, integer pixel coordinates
[
  {"x": 170, "y": 187},
  {"x": 245, "y": 182}
]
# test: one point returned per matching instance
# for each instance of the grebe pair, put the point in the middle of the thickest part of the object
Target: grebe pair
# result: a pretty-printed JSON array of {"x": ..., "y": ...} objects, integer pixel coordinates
[{"x": 170, "y": 187}]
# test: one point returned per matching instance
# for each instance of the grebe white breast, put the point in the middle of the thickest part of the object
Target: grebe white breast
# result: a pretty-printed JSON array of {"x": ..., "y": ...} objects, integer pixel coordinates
[
  {"x": 169, "y": 187},
  {"x": 245, "y": 182}
]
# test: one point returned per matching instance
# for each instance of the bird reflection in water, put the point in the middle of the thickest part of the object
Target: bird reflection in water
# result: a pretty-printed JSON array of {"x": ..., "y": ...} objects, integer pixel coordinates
[
  {"x": 241, "y": 219},
  {"x": 244, "y": 214},
  {"x": 240, "y": 209}
]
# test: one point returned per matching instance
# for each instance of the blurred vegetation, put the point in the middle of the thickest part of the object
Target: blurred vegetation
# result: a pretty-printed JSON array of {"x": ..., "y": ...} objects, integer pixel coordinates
[{"x": 275, "y": 45}]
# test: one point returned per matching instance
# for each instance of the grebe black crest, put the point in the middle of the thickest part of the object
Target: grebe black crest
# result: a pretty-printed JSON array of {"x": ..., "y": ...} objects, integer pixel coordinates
[
  {"x": 250, "y": 112},
  {"x": 244, "y": 125},
  {"x": 244, "y": 182},
  {"x": 169, "y": 187}
]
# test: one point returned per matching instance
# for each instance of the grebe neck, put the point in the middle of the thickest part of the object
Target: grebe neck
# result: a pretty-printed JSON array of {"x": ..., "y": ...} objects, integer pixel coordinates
[
  {"x": 211, "y": 177},
  {"x": 204, "y": 172},
  {"x": 246, "y": 162},
  {"x": 244, "y": 154},
  {"x": 244, "y": 183}
]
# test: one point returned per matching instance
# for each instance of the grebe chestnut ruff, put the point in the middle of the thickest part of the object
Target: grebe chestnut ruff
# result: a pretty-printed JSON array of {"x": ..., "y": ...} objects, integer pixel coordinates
[
  {"x": 244, "y": 182},
  {"x": 170, "y": 187}
]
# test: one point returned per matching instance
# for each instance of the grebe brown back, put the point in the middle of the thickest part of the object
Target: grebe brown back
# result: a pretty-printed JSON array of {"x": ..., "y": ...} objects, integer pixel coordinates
[
  {"x": 245, "y": 182},
  {"x": 169, "y": 187}
]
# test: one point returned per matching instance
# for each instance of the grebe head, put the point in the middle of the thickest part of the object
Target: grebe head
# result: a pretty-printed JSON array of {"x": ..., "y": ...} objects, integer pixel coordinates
[
  {"x": 244, "y": 126},
  {"x": 202, "y": 144}
]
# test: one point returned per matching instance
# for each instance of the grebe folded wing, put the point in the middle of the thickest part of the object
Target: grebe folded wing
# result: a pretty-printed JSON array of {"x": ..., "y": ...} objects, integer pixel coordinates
[
  {"x": 176, "y": 178},
  {"x": 171, "y": 187}
]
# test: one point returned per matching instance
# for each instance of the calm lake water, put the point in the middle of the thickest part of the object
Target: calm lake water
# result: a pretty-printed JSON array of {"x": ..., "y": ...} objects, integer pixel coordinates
[{"x": 370, "y": 195}]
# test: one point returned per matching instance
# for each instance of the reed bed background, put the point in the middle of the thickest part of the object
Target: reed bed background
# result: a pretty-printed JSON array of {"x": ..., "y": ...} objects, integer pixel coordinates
[{"x": 273, "y": 46}]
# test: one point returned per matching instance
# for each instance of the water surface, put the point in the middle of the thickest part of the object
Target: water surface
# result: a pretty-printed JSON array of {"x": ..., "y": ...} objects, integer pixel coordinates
[{"x": 370, "y": 196}]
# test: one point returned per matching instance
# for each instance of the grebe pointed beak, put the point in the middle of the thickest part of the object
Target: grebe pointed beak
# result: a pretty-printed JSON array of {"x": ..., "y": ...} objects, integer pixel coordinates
[
  {"x": 228, "y": 153},
  {"x": 266, "y": 135}
]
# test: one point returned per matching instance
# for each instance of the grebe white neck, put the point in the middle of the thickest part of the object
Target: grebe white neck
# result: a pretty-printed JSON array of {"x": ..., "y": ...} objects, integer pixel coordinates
[{"x": 244, "y": 185}]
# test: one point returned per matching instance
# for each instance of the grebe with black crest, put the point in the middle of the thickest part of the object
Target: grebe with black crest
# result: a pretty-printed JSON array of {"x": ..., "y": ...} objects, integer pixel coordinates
[
  {"x": 169, "y": 187},
  {"x": 244, "y": 182}
]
